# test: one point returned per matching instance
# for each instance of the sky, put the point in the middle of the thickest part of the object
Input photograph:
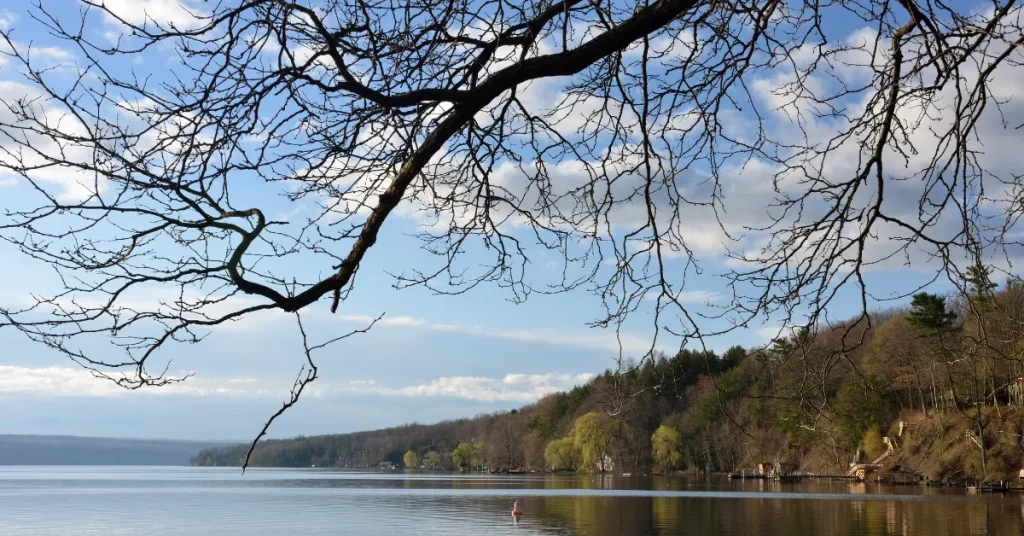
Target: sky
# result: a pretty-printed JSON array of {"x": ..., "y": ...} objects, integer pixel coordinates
[{"x": 431, "y": 357}]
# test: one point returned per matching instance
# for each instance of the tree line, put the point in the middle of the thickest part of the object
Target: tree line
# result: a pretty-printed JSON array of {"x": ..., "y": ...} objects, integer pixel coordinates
[
  {"x": 517, "y": 439},
  {"x": 819, "y": 397}
]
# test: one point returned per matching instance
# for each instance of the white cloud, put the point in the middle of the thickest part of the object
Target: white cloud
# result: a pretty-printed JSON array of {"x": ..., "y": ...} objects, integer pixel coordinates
[
  {"x": 699, "y": 296},
  {"x": 769, "y": 333},
  {"x": 51, "y": 53},
  {"x": 523, "y": 388},
  {"x": 63, "y": 381},
  {"x": 58, "y": 381},
  {"x": 167, "y": 302},
  {"x": 602, "y": 340},
  {"x": 68, "y": 183},
  {"x": 48, "y": 58},
  {"x": 7, "y": 19},
  {"x": 905, "y": 195},
  {"x": 177, "y": 13}
]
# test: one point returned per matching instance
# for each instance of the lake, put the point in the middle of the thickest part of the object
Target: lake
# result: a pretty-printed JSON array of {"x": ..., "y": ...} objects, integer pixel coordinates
[{"x": 200, "y": 500}]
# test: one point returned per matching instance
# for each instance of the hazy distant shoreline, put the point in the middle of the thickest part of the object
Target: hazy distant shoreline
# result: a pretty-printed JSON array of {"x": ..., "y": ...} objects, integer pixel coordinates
[{"x": 76, "y": 450}]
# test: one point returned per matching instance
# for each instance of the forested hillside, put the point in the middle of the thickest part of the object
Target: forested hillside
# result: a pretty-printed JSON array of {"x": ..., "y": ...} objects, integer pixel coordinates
[
  {"x": 641, "y": 398},
  {"x": 948, "y": 367},
  {"x": 72, "y": 450}
]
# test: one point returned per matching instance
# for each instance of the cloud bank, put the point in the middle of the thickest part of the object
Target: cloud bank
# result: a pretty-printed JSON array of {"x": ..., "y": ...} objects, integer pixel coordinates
[
  {"x": 522, "y": 388},
  {"x": 60, "y": 382},
  {"x": 601, "y": 340}
]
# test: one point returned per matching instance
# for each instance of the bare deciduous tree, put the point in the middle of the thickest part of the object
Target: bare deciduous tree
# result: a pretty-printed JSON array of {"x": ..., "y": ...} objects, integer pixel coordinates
[{"x": 614, "y": 133}]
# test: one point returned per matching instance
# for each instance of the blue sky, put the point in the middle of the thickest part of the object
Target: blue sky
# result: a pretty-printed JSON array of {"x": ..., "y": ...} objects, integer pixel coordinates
[{"x": 431, "y": 357}]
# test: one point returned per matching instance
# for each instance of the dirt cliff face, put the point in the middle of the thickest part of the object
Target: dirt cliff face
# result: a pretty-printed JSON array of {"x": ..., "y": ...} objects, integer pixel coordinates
[{"x": 938, "y": 446}]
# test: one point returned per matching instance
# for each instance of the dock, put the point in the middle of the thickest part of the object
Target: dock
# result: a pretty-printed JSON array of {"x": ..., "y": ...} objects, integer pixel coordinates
[{"x": 989, "y": 487}]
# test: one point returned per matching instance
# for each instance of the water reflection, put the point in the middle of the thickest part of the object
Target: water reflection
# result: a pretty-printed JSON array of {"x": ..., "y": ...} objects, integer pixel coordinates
[
  {"x": 189, "y": 501},
  {"x": 811, "y": 508},
  {"x": 676, "y": 516}
]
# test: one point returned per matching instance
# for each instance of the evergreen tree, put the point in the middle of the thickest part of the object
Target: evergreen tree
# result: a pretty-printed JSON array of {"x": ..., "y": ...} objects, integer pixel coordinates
[
  {"x": 979, "y": 284},
  {"x": 928, "y": 312}
]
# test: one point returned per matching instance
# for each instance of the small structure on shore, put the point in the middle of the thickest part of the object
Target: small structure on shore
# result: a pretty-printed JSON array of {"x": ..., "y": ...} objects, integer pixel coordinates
[
  {"x": 744, "y": 474},
  {"x": 990, "y": 487},
  {"x": 777, "y": 470},
  {"x": 1016, "y": 392},
  {"x": 895, "y": 473}
]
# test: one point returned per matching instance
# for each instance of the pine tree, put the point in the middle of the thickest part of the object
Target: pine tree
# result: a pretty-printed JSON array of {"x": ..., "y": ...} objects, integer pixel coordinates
[
  {"x": 979, "y": 284},
  {"x": 928, "y": 312}
]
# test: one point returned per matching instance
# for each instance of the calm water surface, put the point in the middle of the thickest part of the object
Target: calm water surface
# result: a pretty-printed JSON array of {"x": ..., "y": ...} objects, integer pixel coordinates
[{"x": 195, "y": 500}]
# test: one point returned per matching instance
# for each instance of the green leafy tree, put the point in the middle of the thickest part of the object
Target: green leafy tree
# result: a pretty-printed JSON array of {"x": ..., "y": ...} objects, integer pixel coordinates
[
  {"x": 733, "y": 357},
  {"x": 872, "y": 444},
  {"x": 432, "y": 459},
  {"x": 860, "y": 404},
  {"x": 930, "y": 315},
  {"x": 593, "y": 433},
  {"x": 667, "y": 443},
  {"x": 468, "y": 455},
  {"x": 563, "y": 454},
  {"x": 411, "y": 460}
]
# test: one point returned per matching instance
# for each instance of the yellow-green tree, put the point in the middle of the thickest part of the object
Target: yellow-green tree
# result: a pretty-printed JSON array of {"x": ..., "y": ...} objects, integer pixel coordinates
[
  {"x": 872, "y": 443},
  {"x": 562, "y": 454},
  {"x": 668, "y": 447},
  {"x": 468, "y": 455},
  {"x": 593, "y": 435},
  {"x": 411, "y": 460}
]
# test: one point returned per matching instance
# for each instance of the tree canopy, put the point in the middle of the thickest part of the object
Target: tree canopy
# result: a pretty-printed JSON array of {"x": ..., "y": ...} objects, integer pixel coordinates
[
  {"x": 668, "y": 447},
  {"x": 928, "y": 312},
  {"x": 468, "y": 455},
  {"x": 562, "y": 454}
]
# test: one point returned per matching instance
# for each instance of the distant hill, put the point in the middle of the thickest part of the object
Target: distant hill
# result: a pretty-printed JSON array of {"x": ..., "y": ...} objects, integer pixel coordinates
[
  {"x": 73, "y": 450},
  {"x": 521, "y": 438}
]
